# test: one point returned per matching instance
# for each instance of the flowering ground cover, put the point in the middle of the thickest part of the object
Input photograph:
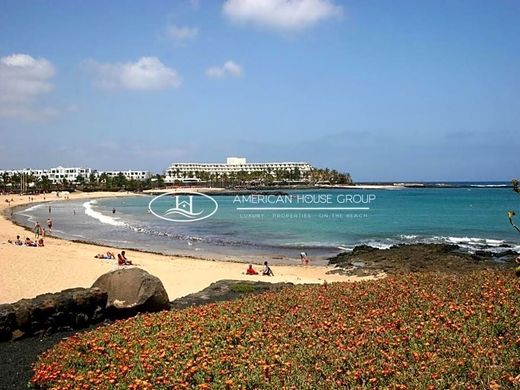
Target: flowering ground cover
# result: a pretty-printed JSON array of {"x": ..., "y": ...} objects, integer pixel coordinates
[{"x": 415, "y": 331}]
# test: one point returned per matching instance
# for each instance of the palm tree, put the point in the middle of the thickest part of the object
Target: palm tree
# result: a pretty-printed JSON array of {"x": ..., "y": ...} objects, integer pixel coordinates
[
  {"x": 6, "y": 179},
  {"x": 45, "y": 184}
]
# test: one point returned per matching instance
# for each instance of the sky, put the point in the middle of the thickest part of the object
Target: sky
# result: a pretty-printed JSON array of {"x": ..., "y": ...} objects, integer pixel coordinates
[{"x": 385, "y": 90}]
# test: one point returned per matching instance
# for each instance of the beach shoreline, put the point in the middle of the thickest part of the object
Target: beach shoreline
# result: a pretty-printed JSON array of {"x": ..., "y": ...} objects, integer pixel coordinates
[{"x": 61, "y": 264}]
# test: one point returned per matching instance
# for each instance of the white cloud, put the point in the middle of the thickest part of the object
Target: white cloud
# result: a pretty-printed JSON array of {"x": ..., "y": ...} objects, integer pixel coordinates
[
  {"x": 229, "y": 69},
  {"x": 23, "y": 79},
  {"x": 147, "y": 73},
  {"x": 181, "y": 34},
  {"x": 287, "y": 15}
]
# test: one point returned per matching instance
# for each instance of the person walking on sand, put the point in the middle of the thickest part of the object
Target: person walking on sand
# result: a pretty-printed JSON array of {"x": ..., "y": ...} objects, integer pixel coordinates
[
  {"x": 49, "y": 224},
  {"x": 303, "y": 255},
  {"x": 304, "y": 258},
  {"x": 37, "y": 230}
]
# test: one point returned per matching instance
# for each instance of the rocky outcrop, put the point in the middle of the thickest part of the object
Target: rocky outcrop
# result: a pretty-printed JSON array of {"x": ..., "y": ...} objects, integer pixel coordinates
[
  {"x": 69, "y": 309},
  {"x": 132, "y": 290},
  {"x": 118, "y": 294},
  {"x": 365, "y": 260},
  {"x": 225, "y": 290}
]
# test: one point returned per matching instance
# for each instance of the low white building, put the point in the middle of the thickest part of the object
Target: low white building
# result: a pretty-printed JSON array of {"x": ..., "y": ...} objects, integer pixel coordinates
[
  {"x": 190, "y": 172},
  {"x": 129, "y": 175}
]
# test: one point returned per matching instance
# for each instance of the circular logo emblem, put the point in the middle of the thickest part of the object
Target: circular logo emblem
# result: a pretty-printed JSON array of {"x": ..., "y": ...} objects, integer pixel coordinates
[{"x": 183, "y": 207}]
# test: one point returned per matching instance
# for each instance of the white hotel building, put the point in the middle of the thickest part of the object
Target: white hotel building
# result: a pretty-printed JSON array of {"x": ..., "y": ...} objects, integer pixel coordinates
[
  {"x": 58, "y": 174},
  {"x": 55, "y": 175},
  {"x": 188, "y": 171},
  {"x": 129, "y": 175}
]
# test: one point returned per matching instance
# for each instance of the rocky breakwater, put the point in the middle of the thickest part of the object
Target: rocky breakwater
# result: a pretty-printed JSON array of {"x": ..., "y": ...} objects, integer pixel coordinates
[
  {"x": 365, "y": 260},
  {"x": 47, "y": 313}
]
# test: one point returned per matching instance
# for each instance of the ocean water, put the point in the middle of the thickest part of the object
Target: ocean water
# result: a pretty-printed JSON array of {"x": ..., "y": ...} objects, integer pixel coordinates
[{"x": 320, "y": 222}]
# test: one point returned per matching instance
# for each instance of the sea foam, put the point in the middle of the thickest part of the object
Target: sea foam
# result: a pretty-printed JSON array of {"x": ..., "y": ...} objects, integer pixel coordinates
[
  {"x": 100, "y": 217},
  {"x": 32, "y": 208}
]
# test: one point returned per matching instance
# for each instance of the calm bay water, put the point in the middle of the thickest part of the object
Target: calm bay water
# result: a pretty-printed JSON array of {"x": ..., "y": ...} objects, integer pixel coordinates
[{"x": 474, "y": 218}]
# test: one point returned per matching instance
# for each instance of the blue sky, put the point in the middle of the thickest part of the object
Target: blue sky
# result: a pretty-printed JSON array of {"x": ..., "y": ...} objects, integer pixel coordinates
[{"x": 386, "y": 90}]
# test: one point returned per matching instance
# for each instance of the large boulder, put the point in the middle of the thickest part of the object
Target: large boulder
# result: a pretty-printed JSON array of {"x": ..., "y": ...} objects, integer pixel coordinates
[{"x": 132, "y": 290}]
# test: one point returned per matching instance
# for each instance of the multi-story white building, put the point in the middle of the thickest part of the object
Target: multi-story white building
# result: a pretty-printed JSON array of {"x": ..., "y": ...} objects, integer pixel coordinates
[
  {"x": 191, "y": 171},
  {"x": 55, "y": 175},
  {"x": 72, "y": 175},
  {"x": 129, "y": 175}
]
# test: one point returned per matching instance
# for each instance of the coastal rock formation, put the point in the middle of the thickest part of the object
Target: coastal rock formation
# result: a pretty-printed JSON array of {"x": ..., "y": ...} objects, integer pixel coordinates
[
  {"x": 226, "y": 290},
  {"x": 70, "y": 309},
  {"x": 365, "y": 260},
  {"x": 132, "y": 290},
  {"x": 7, "y": 322}
]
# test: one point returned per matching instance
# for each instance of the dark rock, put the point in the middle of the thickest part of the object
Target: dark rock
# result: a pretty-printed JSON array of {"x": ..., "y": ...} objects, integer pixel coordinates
[
  {"x": 363, "y": 249},
  {"x": 480, "y": 255},
  {"x": 50, "y": 312},
  {"x": 23, "y": 309},
  {"x": 7, "y": 322},
  {"x": 18, "y": 335},
  {"x": 225, "y": 290},
  {"x": 417, "y": 258},
  {"x": 132, "y": 290},
  {"x": 507, "y": 253},
  {"x": 98, "y": 314},
  {"x": 81, "y": 320}
]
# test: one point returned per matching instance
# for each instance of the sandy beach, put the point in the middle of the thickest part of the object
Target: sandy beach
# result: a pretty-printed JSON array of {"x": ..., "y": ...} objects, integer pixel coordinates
[{"x": 61, "y": 264}]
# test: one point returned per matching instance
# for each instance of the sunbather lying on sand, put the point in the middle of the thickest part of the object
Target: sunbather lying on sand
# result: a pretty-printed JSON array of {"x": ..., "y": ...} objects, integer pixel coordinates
[{"x": 109, "y": 255}]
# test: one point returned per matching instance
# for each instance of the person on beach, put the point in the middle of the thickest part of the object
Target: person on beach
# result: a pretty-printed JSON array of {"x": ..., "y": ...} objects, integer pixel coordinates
[
  {"x": 37, "y": 230},
  {"x": 266, "y": 271},
  {"x": 122, "y": 260},
  {"x": 251, "y": 270},
  {"x": 49, "y": 223},
  {"x": 114, "y": 210},
  {"x": 303, "y": 258},
  {"x": 108, "y": 256},
  {"x": 16, "y": 242},
  {"x": 40, "y": 242},
  {"x": 29, "y": 242}
]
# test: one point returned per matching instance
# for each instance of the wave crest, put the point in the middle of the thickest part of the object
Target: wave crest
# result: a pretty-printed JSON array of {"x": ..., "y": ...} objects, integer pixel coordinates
[{"x": 100, "y": 217}]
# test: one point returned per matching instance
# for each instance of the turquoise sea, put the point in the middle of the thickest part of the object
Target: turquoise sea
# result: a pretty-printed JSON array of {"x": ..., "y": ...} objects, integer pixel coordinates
[{"x": 320, "y": 222}]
